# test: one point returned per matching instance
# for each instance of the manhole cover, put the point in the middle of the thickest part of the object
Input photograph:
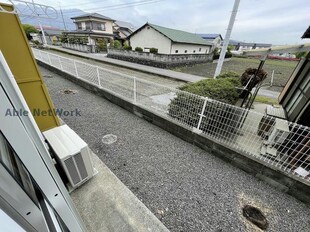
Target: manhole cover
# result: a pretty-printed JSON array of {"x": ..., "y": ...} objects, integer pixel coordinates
[
  {"x": 109, "y": 139},
  {"x": 255, "y": 216}
]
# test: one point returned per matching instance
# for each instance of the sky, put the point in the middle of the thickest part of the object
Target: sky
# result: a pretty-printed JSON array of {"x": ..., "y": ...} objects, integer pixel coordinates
[{"x": 266, "y": 21}]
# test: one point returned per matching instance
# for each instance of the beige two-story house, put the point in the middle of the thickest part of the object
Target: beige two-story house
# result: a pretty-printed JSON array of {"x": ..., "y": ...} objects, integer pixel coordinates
[{"x": 93, "y": 26}]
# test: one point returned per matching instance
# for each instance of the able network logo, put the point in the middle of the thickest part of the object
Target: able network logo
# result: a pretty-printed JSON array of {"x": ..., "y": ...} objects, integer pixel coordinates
[{"x": 40, "y": 112}]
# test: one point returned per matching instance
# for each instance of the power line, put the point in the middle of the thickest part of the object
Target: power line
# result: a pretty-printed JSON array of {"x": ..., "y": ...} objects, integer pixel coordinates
[
  {"x": 85, "y": 3},
  {"x": 120, "y": 6}
]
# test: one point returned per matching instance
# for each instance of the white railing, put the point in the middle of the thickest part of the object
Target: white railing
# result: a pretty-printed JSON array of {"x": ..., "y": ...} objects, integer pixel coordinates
[{"x": 276, "y": 142}]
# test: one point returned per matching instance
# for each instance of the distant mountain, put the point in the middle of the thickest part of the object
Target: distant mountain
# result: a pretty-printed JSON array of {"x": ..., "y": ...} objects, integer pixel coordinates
[{"x": 67, "y": 14}]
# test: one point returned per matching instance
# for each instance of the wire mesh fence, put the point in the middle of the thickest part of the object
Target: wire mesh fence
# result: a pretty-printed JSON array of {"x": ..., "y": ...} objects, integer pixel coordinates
[{"x": 274, "y": 141}]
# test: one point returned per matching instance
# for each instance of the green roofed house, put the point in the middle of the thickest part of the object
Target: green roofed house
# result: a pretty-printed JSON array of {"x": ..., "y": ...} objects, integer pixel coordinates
[{"x": 168, "y": 41}]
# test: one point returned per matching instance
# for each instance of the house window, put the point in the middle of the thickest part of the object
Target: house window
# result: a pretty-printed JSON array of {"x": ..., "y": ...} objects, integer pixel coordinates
[
  {"x": 99, "y": 26},
  {"x": 200, "y": 49},
  {"x": 79, "y": 26},
  {"x": 185, "y": 51},
  {"x": 194, "y": 51},
  {"x": 148, "y": 28},
  {"x": 88, "y": 26},
  {"x": 176, "y": 51},
  {"x": 83, "y": 26}
]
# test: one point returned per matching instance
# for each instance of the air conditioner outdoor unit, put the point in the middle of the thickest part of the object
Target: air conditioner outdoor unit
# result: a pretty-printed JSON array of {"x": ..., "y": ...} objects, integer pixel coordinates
[{"x": 72, "y": 153}]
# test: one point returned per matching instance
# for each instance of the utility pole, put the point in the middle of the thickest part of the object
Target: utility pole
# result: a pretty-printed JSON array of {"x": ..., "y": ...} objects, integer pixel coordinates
[
  {"x": 42, "y": 31},
  {"x": 62, "y": 16},
  {"x": 226, "y": 40},
  {"x": 43, "y": 34}
]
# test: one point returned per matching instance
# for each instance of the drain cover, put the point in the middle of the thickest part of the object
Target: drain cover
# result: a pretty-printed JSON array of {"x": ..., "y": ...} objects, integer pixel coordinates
[
  {"x": 255, "y": 216},
  {"x": 109, "y": 139}
]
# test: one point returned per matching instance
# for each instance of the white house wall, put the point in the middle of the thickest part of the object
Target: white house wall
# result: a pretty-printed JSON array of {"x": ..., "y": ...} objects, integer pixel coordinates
[
  {"x": 190, "y": 48},
  {"x": 150, "y": 38}
]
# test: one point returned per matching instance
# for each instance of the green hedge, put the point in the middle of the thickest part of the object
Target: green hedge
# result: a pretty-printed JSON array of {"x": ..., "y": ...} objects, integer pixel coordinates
[
  {"x": 127, "y": 47},
  {"x": 138, "y": 49},
  {"x": 154, "y": 50},
  {"x": 117, "y": 44},
  {"x": 220, "y": 119},
  {"x": 221, "y": 89}
]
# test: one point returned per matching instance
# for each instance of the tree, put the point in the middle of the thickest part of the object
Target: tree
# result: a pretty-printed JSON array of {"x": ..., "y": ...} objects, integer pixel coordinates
[
  {"x": 29, "y": 29},
  {"x": 117, "y": 44}
]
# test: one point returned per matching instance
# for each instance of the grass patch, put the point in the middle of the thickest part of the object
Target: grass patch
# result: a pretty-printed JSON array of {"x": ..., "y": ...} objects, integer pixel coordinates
[
  {"x": 266, "y": 100},
  {"x": 283, "y": 69}
]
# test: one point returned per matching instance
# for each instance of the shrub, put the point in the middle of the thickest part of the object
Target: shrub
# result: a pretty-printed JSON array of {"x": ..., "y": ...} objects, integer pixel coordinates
[
  {"x": 300, "y": 54},
  {"x": 127, "y": 47},
  {"x": 28, "y": 30},
  {"x": 222, "y": 89},
  {"x": 75, "y": 40},
  {"x": 102, "y": 44},
  {"x": 138, "y": 49},
  {"x": 117, "y": 44},
  {"x": 248, "y": 73},
  {"x": 63, "y": 38},
  {"x": 154, "y": 50},
  {"x": 217, "y": 56},
  {"x": 229, "y": 74},
  {"x": 220, "y": 119}
]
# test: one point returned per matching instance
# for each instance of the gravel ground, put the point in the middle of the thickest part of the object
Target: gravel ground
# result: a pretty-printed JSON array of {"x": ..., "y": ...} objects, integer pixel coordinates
[{"x": 185, "y": 187}]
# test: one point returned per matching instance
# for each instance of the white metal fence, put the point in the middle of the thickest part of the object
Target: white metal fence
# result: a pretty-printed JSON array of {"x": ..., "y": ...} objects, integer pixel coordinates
[{"x": 276, "y": 142}]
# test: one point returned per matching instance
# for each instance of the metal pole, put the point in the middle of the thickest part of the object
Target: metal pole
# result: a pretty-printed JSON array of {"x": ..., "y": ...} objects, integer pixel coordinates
[
  {"x": 76, "y": 72},
  {"x": 226, "y": 40},
  {"x": 49, "y": 58},
  {"x": 201, "y": 115},
  {"x": 98, "y": 77},
  {"x": 41, "y": 55},
  {"x": 43, "y": 34},
  {"x": 271, "y": 82},
  {"x": 62, "y": 16},
  {"x": 61, "y": 68},
  {"x": 134, "y": 90}
]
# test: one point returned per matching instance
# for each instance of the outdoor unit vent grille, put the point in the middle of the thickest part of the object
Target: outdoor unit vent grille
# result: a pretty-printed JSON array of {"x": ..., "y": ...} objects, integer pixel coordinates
[
  {"x": 81, "y": 166},
  {"x": 72, "y": 153},
  {"x": 73, "y": 172}
]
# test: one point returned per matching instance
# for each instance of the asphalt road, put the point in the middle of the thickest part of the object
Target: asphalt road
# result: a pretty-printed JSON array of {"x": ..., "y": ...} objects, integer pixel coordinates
[{"x": 187, "y": 188}]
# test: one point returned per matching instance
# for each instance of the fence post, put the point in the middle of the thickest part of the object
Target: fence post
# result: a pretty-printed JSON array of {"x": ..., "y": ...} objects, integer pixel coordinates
[
  {"x": 99, "y": 83},
  {"x": 49, "y": 58},
  {"x": 134, "y": 90},
  {"x": 40, "y": 55},
  {"x": 61, "y": 68},
  {"x": 196, "y": 129},
  {"x": 76, "y": 72},
  {"x": 272, "y": 76}
]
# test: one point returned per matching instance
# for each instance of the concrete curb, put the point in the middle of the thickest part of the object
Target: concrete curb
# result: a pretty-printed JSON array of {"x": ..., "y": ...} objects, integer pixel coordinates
[
  {"x": 106, "y": 204},
  {"x": 283, "y": 181}
]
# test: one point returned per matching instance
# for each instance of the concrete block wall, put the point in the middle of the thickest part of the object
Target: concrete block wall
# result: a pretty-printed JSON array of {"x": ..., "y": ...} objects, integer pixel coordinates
[
  {"x": 78, "y": 47},
  {"x": 158, "y": 60}
]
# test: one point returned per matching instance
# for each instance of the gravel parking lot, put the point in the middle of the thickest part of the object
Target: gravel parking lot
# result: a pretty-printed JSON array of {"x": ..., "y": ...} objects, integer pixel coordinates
[{"x": 187, "y": 188}]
